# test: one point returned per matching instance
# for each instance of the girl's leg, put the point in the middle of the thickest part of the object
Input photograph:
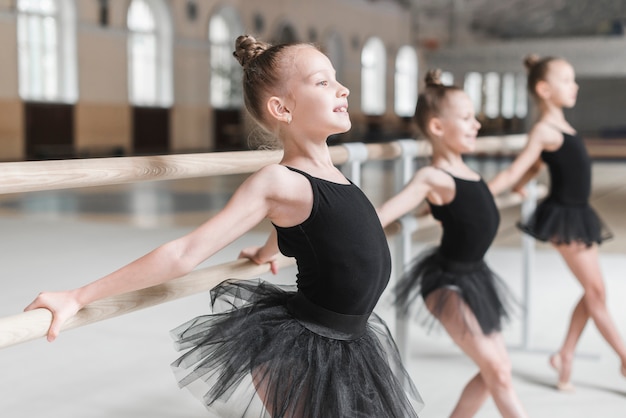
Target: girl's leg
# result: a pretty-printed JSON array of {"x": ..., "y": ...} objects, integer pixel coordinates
[
  {"x": 584, "y": 263},
  {"x": 273, "y": 399},
  {"x": 562, "y": 359},
  {"x": 474, "y": 394},
  {"x": 487, "y": 351}
]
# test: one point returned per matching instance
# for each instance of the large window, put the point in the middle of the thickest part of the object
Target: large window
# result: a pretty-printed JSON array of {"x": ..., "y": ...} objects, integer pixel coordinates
[
  {"x": 149, "y": 53},
  {"x": 521, "y": 96},
  {"x": 46, "y": 50},
  {"x": 508, "y": 96},
  {"x": 373, "y": 59},
  {"x": 473, "y": 86},
  {"x": 406, "y": 82},
  {"x": 225, "y": 77},
  {"x": 492, "y": 95}
]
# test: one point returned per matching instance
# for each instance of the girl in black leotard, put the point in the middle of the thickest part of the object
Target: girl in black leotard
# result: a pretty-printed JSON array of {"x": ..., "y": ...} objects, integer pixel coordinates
[
  {"x": 312, "y": 351},
  {"x": 565, "y": 217},
  {"x": 455, "y": 283}
]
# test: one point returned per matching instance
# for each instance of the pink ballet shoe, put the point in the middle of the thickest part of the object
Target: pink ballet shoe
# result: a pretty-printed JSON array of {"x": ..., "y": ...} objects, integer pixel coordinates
[{"x": 557, "y": 364}]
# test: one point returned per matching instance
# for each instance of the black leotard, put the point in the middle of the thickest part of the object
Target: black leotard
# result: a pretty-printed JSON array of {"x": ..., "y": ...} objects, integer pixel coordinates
[
  {"x": 342, "y": 253},
  {"x": 469, "y": 222},
  {"x": 565, "y": 216}
]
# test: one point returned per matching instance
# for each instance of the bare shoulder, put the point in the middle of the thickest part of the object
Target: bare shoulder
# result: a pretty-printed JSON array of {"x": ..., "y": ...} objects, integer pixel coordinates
[
  {"x": 439, "y": 185},
  {"x": 545, "y": 136},
  {"x": 279, "y": 182},
  {"x": 435, "y": 177}
]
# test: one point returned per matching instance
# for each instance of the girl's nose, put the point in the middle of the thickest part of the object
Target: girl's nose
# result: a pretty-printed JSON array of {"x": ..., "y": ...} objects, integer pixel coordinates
[{"x": 343, "y": 91}]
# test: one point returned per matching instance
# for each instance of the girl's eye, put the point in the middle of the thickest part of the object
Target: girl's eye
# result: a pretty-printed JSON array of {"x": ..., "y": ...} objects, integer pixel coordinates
[{"x": 323, "y": 83}]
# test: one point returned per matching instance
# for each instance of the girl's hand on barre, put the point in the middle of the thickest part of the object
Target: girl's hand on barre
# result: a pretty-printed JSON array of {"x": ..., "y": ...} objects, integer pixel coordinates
[
  {"x": 520, "y": 190},
  {"x": 62, "y": 305},
  {"x": 256, "y": 254}
]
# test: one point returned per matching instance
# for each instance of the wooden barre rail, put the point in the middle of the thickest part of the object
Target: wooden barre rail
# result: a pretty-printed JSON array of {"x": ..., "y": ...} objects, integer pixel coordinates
[
  {"x": 31, "y": 176},
  {"x": 50, "y": 175},
  {"x": 33, "y": 324}
]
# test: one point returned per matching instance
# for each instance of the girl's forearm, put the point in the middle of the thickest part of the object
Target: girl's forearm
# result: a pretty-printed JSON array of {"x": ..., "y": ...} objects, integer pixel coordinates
[{"x": 152, "y": 269}]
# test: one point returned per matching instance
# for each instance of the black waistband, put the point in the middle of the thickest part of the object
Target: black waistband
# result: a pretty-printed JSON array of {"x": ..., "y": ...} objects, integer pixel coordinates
[
  {"x": 453, "y": 266},
  {"x": 327, "y": 323}
]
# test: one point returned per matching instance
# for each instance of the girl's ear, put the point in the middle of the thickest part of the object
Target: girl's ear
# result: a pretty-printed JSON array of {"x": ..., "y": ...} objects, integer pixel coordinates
[
  {"x": 435, "y": 126},
  {"x": 278, "y": 110},
  {"x": 543, "y": 90}
]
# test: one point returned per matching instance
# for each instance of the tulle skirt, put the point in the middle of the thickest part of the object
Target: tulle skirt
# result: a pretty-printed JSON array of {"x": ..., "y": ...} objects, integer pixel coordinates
[
  {"x": 442, "y": 283},
  {"x": 252, "y": 358},
  {"x": 563, "y": 224}
]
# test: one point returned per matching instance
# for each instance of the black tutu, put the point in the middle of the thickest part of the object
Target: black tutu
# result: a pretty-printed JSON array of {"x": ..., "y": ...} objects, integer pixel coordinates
[
  {"x": 474, "y": 284},
  {"x": 563, "y": 224},
  {"x": 303, "y": 368}
]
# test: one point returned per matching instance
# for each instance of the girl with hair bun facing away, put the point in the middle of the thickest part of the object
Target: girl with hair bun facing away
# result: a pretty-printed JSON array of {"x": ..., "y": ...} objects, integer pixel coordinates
[
  {"x": 456, "y": 285},
  {"x": 565, "y": 219},
  {"x": 307, "y": 351}
]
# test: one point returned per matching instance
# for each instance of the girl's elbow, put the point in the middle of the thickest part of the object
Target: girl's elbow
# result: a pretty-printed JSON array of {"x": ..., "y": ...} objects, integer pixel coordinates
[{"x": 176, "y": 258}]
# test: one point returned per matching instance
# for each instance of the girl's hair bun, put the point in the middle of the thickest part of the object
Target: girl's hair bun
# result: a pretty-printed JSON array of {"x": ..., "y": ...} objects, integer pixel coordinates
[
  {"x": 247, "y": 49},
  {"x": 531, "y": 60},
  {"x": 433, "y": 78}
]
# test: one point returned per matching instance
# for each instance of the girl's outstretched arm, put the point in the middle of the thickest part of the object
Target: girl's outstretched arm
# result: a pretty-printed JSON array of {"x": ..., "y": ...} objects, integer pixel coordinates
[
  {"x": 521, "y": 168},
  {"x": 413, "y": 193},
  {"x": 254, "y": 200}
]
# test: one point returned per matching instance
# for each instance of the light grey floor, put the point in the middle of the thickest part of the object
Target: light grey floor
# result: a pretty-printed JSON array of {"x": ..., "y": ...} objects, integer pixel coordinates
[{"x": 120, "y": 367}]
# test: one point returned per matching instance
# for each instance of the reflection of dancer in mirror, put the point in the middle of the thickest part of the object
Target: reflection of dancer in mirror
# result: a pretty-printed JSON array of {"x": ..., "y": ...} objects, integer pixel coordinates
[
  {"x": 564, "y": 218},
  {"x": 458, "y": 288},
  {"x": 314, "y": 351}
]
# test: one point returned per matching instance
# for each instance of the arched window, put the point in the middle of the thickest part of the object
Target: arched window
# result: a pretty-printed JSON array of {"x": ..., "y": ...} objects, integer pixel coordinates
[
  {"x": 225, "y": 87},
  {"x": 46, "y": 39},
  {"x": 406, "y": 82},
  {"x": 508, "y": 96},
  {"x": 373, "y": 60},
  {"x": 447, "y": 78},
  {"x": 492, "y": 95},
  {"x": 473, "y": 86},
  {"x": 149, "y": 53},
  {"x": 521, "y": 96}
]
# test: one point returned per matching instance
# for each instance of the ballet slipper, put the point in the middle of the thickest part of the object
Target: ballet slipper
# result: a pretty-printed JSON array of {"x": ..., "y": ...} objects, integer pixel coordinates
[{"x": 557, "y": 364}]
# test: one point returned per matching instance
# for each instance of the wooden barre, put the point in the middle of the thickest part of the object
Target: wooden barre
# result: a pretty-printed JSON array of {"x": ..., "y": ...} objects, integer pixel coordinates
[
  {"x": 50, "y": 175},
  {"x": 31, "y": 176},
  {"x": 34, "y": 324}
]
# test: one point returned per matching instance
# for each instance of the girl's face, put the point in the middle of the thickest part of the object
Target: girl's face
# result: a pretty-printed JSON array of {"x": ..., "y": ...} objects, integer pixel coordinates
[
  {"x": 561, "y": 86},
  {"x": 317, "y": 101},
  {"x": 458, "y": 123}
]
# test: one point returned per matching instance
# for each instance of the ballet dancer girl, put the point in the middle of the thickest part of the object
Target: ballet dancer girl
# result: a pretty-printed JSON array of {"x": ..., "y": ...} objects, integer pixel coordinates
[
  {"x": 453, "y": 280},
  {"x": 315, "y": 350},
  {"x": 565, "y": 219}
]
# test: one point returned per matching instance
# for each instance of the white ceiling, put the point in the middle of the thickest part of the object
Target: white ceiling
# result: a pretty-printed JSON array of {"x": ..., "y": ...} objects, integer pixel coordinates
[{"x": 531, "y": 18}]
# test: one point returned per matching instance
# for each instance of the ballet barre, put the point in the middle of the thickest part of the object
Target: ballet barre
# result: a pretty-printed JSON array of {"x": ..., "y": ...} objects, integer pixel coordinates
[
  {"x": 34, "y": 324},
  {"x": 30, "y": 176}
]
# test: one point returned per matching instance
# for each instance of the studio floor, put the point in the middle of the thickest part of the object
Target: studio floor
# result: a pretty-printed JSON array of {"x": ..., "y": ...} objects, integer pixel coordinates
[{"x": 120, "y": 367}]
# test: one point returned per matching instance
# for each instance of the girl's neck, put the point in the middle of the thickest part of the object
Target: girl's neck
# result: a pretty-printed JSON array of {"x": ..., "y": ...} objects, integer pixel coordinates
[
  {"x": 553, "y": 114},
  {"x": 447, "y": 159},
  {"x": 556, "y": 118},
  {"x": 306, "y": 155}
]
